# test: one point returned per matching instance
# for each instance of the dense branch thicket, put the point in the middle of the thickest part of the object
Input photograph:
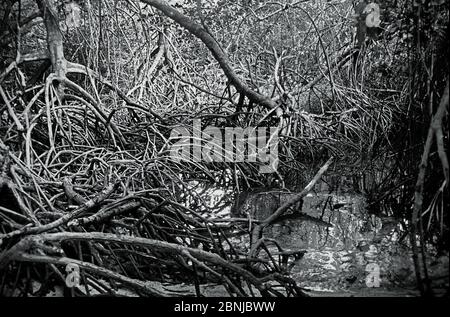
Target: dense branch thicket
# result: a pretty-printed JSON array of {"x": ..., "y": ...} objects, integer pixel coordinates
[{"x": 91, "y": 90}]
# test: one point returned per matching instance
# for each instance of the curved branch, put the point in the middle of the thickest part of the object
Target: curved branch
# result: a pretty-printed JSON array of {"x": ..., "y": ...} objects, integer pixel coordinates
[
  {"x": 150, "y": 288},
  {"x": 257, "y": 231},
  {"x": 81, "y": 69},
  {"x": 198, "y": 31}
]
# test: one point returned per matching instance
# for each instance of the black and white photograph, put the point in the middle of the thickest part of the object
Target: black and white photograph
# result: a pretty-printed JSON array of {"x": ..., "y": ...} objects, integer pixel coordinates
[{"x": 224, "y": 154}]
